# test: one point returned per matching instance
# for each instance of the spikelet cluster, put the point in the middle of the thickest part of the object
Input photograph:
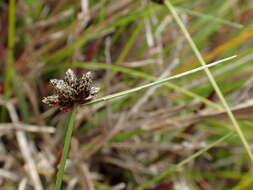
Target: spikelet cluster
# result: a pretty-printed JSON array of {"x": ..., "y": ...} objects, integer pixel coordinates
[{"x": 71, "y": 91}]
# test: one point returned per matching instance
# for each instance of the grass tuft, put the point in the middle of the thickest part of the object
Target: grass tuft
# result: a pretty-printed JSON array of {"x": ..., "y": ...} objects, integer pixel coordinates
[{"x": 211, "y": 78}]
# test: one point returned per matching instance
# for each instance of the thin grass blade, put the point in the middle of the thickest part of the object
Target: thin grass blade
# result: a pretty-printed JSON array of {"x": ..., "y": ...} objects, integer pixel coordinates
[{"x": 126, "y": 92}]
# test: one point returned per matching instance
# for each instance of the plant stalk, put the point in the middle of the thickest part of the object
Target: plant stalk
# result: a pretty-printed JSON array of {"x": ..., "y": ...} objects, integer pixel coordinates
[{"x": 67, "y": 141}]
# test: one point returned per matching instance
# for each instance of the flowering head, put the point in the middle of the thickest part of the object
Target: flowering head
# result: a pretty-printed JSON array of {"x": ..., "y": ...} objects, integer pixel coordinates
[{"x": 71, "y": 91}]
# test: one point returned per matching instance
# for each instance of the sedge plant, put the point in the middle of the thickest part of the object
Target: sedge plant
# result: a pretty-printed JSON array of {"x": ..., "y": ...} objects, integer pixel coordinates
[{"x": 71, "y": 92}]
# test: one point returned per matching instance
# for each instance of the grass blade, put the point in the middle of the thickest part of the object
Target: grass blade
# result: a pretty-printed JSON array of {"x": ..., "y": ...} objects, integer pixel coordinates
[
  {"x": 123, "y": 93},
  {"x": 10, "y": 54},
  {"x": 129, "y": 43},
  {"x": 209, "y": 17},
  {"x": 21, "y": 98}
]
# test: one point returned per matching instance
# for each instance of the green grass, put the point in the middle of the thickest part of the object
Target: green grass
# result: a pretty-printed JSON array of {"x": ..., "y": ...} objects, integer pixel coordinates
[
  {"x": 211, "y": 78},
  {"x": 10, "y": 52},
  {"x": 10, "y": 56}
]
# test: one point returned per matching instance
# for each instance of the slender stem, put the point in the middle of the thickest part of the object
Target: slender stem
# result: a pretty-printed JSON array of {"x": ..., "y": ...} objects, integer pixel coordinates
[
  {"x": 11, "y": 41},
  {"x": 66, "y": 147},
  {"x": 211, "y": 78},
  {"x": 129, "y": 43},
  {"x": 123, "y": 93},
  {"x": 10, "y": 53}
]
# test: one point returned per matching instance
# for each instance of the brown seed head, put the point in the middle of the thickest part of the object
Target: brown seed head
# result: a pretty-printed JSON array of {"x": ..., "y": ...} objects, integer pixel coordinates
[{"x": 71, "y": 91}]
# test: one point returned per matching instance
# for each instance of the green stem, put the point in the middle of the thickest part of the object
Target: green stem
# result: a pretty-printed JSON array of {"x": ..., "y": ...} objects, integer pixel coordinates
[
  {"x": 10, "y": 53},
  {"x": 11, "y": 41},
  {"x": 67, "y": 141},
  {"x": 123, "y": 93}
]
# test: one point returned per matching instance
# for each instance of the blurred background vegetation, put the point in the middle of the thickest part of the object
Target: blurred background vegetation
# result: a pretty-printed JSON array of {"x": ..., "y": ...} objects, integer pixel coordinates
[{"x": 146, "y": 140}]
